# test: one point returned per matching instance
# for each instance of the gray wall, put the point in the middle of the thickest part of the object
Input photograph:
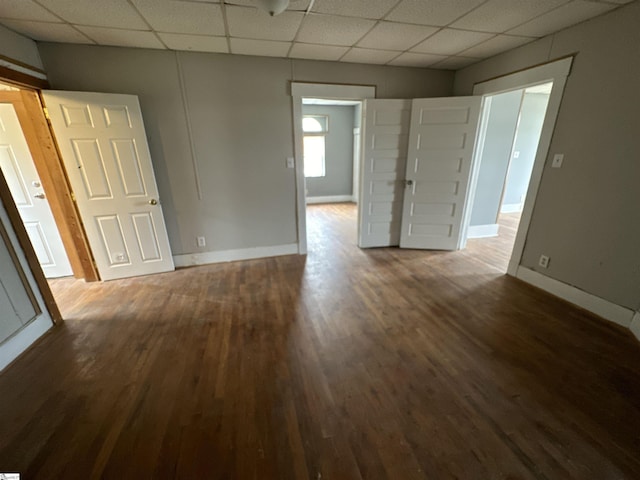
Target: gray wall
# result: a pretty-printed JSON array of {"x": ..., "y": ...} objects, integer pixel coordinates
[
  {"x": 586, "y": 215},
  {"x": 239, "y": 108},
  {"x": 17, "y": 47},
  {"x": 338, "y": 179},
  {"x": 534, "y": 106},
  {"x": 501, "y": 128}
]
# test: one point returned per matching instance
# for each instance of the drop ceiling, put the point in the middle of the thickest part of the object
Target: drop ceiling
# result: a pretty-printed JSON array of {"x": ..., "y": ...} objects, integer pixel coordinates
[{"x": 445, "y": 34}]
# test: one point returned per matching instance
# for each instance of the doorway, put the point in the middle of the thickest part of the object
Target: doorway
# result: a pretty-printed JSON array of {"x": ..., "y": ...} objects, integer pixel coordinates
[
  {"x": 514, "y": 121},
  {"x": 331, "y": 153},
  {"x": 25, "y": 187}
]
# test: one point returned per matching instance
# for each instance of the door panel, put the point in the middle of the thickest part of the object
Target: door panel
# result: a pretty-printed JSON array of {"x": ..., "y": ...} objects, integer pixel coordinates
[
  {"x": 21, "y": 176},
  {"x": 441, "y": 146},
  {"x": 386, "y": 132},
  {"x": 104, "y": 149}
]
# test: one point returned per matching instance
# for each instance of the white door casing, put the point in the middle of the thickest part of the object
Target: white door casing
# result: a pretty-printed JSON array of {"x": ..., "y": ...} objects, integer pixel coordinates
[
  {"x": 441, "y": 147},
  {"x": 384, "y": 154},
  {"x": 24, "y": 183},
  {"x": 104, "y": 148}
]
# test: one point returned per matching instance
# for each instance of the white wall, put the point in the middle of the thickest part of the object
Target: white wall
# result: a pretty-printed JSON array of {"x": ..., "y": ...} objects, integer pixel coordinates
[
  {"x": 240, "y": 113},
  {"x": 586, "y": 215}
]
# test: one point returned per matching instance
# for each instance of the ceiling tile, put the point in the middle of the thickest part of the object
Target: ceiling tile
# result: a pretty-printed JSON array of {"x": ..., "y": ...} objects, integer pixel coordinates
[
  {"x": 122, "y": 38},
  {"x": 267, "y": 48},
  {"x": 395, "y": 36},
  {"x": 26, "y": 10},
  {"x": 455, "y": 63},
  {"x": 331, "y": 30},
  {"x": 449, "y": 42},
  {"x": 112, "y": 13},
  {"x": 174, "y": 16},
  {"x": 317, "y": 52},
  {"x": 431, "y": 12},
  {"x": 565, "y": 16},
  {"x": 196, "y": 43},
  {"x": 253, "y": 23},
  {"x": 367, "y": 55},
  {"x": 495, "y": 45},
  {"x": 500, "y": 15},
  {"x": 355, "y": 8},
  {"x": 409, "y": 59},
  {"x": 47, "y": 32}
]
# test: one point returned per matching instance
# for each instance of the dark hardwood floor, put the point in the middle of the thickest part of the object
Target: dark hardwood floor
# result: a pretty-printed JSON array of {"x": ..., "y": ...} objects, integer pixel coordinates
[{"x": 346, "y": 364}]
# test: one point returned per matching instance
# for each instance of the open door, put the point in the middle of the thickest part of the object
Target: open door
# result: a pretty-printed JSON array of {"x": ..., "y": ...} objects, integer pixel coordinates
[
  {"x": 104, "y": 148},
  {"x": 441, "y": 147},
  {"x": 24, "y": 183},
  {"x": 384, "y": 155}
]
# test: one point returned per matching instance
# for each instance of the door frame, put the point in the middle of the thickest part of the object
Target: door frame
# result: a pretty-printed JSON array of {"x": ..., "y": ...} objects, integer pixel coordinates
[
  {"x": 315, "y": 90},
  {"x": 44, "y": 151},
  {"x": 557, "y": 72}
]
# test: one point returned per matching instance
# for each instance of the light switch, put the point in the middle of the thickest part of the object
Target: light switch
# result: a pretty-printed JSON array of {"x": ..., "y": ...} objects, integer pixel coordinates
[
  {"x": 516, "y": 154},
  {"x": 557, "y": 160},
  {"x": 290, "y": 162}
]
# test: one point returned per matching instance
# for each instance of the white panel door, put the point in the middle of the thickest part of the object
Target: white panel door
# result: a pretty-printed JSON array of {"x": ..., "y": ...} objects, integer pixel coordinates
[
  {"x": 21, "y": 175},
  {"x": 441, "y": 148},
  {"x": 386, "y": 133},
  {"x": 104, "y": 148}
]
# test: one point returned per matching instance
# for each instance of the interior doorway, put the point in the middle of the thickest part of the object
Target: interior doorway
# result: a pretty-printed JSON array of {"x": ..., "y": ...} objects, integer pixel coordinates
[
  {"x": 25, "y": 186},
  {"x": 511, "y": 135},
  {"x": 331, "y": 155}
]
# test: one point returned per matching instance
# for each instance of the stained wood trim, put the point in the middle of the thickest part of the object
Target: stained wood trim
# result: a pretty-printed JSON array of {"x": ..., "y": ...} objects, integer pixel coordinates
[
  {"x": 30, "y": 254},
  {"x": 55, "y": 184},
  {"x": 21, "y": 64},
  {"x": 22, "y": 79}
]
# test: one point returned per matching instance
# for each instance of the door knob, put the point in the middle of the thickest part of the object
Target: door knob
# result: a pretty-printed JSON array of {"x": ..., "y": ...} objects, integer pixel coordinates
[
  {"x": 408, "y": 182},
  {"x": 39, "y": 195},
  {"x": 153, "y": 201}
]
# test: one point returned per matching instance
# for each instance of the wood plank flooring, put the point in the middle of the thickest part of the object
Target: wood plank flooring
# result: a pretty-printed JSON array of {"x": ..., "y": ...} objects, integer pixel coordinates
[{"x": 346, "y": 364}]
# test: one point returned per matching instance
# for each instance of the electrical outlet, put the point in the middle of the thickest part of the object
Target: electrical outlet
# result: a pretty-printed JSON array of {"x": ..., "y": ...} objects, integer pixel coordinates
[
  {"x": 516, "y": 154},
  {"x": 544, "y": 261},
  {"x": 557, "y": 160},
  {"x": 202, "y": 242}
]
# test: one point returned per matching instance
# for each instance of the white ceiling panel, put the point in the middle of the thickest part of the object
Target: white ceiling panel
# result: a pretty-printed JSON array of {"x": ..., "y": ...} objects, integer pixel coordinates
[
  {"x": 174, "y": 16},
  {"x": 332, "y": 30},
  {"x": 253, "y": 23},
  {"x": 501, "y": 15},
  {"x": 122, "y": 38},
  {"x": 431, "y": 12},
  {"x": 48, "y": 32},
  {"x": 195, "y": 43},
  {"x": 367, "y": 55},
  {"x": 265, "y": 48},
  {"x": 454, "y": 63},
  {"x": 26, "y": 10},
  {"x": 565, "y": 16},
  {"x": 495, "y": 45},
  {"x": 409, "y": 59},
  {"x": 112, "y": 13},
  {"x": 395, "y": 36},
  {"x": 317, "y": 52},
  {"x": 449, "y": 42},
  {"x": 355, "y": 8}
]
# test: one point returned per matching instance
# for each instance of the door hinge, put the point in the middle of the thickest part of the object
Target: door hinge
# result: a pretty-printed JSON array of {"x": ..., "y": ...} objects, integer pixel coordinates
[
  {"x": 46, "y": 113},
  {"x": 73, "y": 196}
]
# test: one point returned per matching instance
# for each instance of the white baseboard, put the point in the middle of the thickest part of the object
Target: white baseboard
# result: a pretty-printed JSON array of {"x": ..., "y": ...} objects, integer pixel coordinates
[
  {"x": 511, "y": 208},
  {"x": 604, "y": 308},
  {"x": 204, "y": 258},
  {"x": 635, "y": 325},
  {"x": 14, "y": 346},
  {"x": 330, "y": 199},
  {"x": 482, "y": 231}
]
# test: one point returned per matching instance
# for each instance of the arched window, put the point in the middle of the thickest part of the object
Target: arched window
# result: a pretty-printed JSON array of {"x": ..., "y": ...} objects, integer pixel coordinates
[{"x": 314, "y": 127}]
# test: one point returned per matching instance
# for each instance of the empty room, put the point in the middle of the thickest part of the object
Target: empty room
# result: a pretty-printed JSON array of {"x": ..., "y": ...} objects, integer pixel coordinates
[{"x": 319, "y": 239}]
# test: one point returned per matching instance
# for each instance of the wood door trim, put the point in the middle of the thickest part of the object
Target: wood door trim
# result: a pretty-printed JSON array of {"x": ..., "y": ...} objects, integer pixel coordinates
[
  {"x": 22, "y": 79},
  {"x": 54, "y": 180}
]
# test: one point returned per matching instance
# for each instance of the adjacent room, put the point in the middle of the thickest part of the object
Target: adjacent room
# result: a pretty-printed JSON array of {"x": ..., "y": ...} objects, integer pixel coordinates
[{"x": 318, "y": 239}]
